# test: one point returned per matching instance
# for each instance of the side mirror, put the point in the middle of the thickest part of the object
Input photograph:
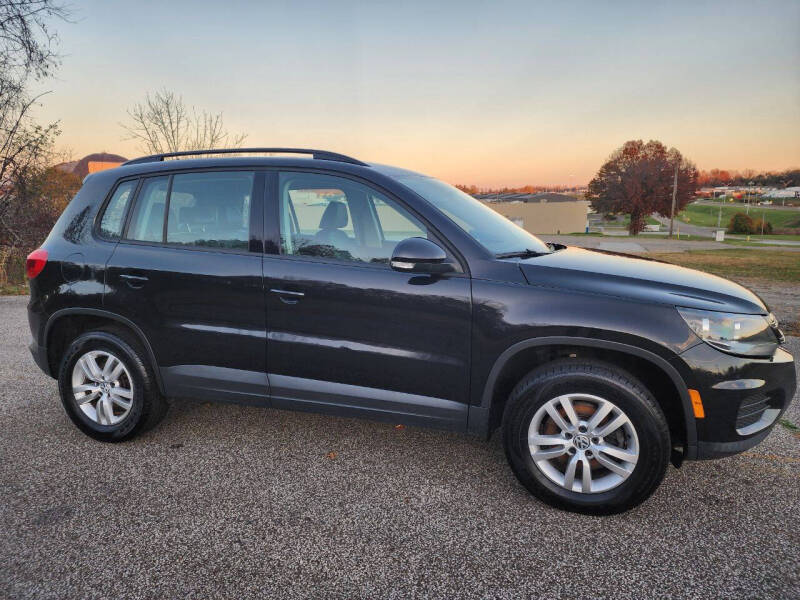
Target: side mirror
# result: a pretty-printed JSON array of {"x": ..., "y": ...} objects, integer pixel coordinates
[{"x": 418, "y": 255}]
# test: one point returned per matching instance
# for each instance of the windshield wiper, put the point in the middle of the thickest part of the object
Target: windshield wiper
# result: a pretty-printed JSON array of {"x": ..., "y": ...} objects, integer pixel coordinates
[{"x": 526, "y": 253}]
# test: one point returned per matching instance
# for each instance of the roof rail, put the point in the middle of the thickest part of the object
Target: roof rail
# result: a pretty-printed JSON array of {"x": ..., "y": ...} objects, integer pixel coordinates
[{"x": 317, "y": 154}]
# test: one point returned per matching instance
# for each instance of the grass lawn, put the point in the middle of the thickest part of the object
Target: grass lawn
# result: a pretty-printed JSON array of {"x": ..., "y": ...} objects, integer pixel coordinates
[
  {"x": 766, "y": 238},
  {"x": 775, "y": 265},
  {"x": 692, "y": 238},
  {"x": 755, "y": 244},
  {"x": 627, "y": 221},
  {"x": 706, "y": 216}
]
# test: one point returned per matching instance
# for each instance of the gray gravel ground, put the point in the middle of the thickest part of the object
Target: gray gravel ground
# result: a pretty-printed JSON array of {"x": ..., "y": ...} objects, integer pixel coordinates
[{"x": 229, "y": 501}]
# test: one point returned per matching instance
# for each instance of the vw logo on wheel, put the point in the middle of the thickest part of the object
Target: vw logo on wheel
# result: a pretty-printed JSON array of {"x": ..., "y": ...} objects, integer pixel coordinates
[{"x": 582, "y": 442}]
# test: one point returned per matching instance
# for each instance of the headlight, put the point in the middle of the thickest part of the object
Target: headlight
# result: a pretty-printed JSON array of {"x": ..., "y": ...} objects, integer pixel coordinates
[{"x": 746, "y": 335}]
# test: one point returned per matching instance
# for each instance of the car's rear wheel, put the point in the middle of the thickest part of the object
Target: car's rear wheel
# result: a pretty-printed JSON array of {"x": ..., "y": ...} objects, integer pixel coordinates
[
  {"x": 107, "y": 386},
  {"x": 586, "y": 436}
]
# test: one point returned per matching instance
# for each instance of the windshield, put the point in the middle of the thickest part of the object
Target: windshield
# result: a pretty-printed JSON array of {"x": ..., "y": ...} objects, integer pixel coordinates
[{"x": 489, "y": 228}]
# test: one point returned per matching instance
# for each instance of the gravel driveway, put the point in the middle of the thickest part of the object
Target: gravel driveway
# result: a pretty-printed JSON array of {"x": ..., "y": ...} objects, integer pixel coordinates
[{"x": 243, "y": 502}]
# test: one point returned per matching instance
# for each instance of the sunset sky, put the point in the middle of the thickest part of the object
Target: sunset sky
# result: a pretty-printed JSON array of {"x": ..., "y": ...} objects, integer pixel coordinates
[{"x": 486, "y": 93}]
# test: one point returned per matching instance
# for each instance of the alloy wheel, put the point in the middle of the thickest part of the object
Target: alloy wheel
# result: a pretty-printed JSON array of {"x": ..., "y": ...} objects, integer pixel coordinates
[
  {"x": 583, "y": 443},
  {"x": 102, "y": 387}
]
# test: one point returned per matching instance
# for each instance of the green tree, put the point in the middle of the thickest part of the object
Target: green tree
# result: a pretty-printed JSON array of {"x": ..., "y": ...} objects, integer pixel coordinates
[
  {"x": 741, "y": 223},
  {"x": 637, "y": 180}
]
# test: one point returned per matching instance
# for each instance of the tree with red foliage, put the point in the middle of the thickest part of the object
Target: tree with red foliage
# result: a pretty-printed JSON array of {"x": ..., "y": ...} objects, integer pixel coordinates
[
  {"x": 468, "y": 189},
  {"x": 637, "y": 180}
]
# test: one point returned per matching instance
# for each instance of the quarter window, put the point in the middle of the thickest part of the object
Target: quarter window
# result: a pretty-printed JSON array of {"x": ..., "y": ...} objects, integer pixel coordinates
[
  {"x": 333, "y": 217},
  {"x": 114, "y": 215},
  {"x": 147, "y": 222}
]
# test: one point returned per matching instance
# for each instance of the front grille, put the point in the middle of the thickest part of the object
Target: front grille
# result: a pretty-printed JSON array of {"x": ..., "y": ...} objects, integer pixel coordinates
[{"x": 751, "y": 409}]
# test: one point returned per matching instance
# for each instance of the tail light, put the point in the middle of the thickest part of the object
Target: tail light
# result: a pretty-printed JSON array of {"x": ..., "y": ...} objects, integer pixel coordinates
[{"x": 35, "y": 263}]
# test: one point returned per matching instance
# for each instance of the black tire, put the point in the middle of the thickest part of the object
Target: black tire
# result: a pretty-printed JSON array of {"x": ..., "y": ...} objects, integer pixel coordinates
[
  {"x": 606, "y": 381},
  {"x": 148, "y": 405}
]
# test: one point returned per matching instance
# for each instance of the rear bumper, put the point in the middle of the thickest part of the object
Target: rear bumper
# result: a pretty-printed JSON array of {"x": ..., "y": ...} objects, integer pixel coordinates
[
  {"x": 743, "y": 398},
  {"x": 37, "y": 321},
  {"x": 39, "y": 354}
]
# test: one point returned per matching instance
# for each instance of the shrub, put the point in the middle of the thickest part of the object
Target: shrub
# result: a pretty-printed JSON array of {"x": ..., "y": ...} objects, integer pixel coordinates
[
  {"x": 757, "y": 227},
  {"x": 740, "y": 223}
]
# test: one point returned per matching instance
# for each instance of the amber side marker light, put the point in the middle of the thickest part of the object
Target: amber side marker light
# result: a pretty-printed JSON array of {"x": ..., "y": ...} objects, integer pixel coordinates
[{"x": 697, "y": 404}]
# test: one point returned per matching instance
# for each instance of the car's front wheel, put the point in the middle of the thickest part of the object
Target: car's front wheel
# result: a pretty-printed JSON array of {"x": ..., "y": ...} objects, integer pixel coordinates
[{"x": 586, "y": 436}]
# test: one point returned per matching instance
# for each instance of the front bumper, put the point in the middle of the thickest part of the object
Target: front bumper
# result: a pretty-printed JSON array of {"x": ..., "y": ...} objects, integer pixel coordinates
[{"x": 742, "y": 398}]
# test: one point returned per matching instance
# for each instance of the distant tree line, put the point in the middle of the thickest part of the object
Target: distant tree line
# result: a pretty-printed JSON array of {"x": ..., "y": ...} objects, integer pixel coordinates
[
  {"x": 723, "y": 177},
  {"x": 524, "y": 189}
]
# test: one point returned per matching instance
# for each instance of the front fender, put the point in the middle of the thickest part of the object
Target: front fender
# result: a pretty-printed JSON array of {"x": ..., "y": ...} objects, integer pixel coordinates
[
  {"x": 510, "y": 318},
  {"x": 478, "y": 417}
]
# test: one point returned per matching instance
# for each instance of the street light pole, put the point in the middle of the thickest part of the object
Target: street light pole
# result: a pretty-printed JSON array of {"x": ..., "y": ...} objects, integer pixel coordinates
[{"x": 674, "y": 195}]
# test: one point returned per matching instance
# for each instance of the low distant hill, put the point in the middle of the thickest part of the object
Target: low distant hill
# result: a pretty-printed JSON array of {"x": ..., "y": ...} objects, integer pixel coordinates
[{"x": 92, "y": 163}]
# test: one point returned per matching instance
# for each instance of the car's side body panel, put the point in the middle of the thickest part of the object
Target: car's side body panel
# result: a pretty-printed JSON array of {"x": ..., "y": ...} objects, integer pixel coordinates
[
  {"x": 504, "y": 315},
  {"x": 398, "y": 341},
  {"x": 203, "y": 313}
]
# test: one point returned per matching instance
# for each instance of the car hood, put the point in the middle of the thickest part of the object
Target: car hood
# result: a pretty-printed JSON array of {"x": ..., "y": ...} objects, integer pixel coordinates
[{"x": 637, "y": 278}]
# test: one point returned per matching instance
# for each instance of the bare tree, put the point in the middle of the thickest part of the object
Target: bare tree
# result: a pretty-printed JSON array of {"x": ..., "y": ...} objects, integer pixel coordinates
[
  {"x": 163, "y": 123},
  {"x": 27, "y": 52}
]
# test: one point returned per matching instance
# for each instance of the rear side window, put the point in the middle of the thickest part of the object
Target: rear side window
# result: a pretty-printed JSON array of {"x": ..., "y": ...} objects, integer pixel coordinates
[
  {"x": 210, "y": 210},
  {"x": 114, "y": 215},
  {"x": 147, "y": 222}
]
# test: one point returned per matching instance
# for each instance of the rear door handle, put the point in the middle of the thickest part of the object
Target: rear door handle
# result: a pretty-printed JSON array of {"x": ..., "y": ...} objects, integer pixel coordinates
[
  {"x": 134, "y": 281},
  {"x": 287, "y": 296}
]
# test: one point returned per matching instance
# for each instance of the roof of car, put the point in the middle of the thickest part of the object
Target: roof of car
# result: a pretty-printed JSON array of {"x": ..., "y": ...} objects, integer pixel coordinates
[{"x": 308, "y": 159}]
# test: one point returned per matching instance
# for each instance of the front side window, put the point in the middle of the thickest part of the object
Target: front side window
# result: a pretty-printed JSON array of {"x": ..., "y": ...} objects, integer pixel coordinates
[
  {"x": 147, "y": 221},
  {"x": 210, "y": 210},
  {"x": 114, "y": 215},
  {"x": 333, "y": 217}
]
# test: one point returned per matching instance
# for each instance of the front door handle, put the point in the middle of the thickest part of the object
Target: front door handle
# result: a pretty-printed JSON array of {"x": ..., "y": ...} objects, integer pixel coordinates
[{"x": 288, "y": 296}]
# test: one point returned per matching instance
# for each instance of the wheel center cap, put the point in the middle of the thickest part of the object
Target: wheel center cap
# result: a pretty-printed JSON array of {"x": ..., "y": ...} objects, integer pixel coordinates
[{"x": 581, "y": 442}]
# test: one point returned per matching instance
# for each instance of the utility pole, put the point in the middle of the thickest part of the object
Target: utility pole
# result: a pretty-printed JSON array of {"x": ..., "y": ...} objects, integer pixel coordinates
[{"x": 674, "y": 195}]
